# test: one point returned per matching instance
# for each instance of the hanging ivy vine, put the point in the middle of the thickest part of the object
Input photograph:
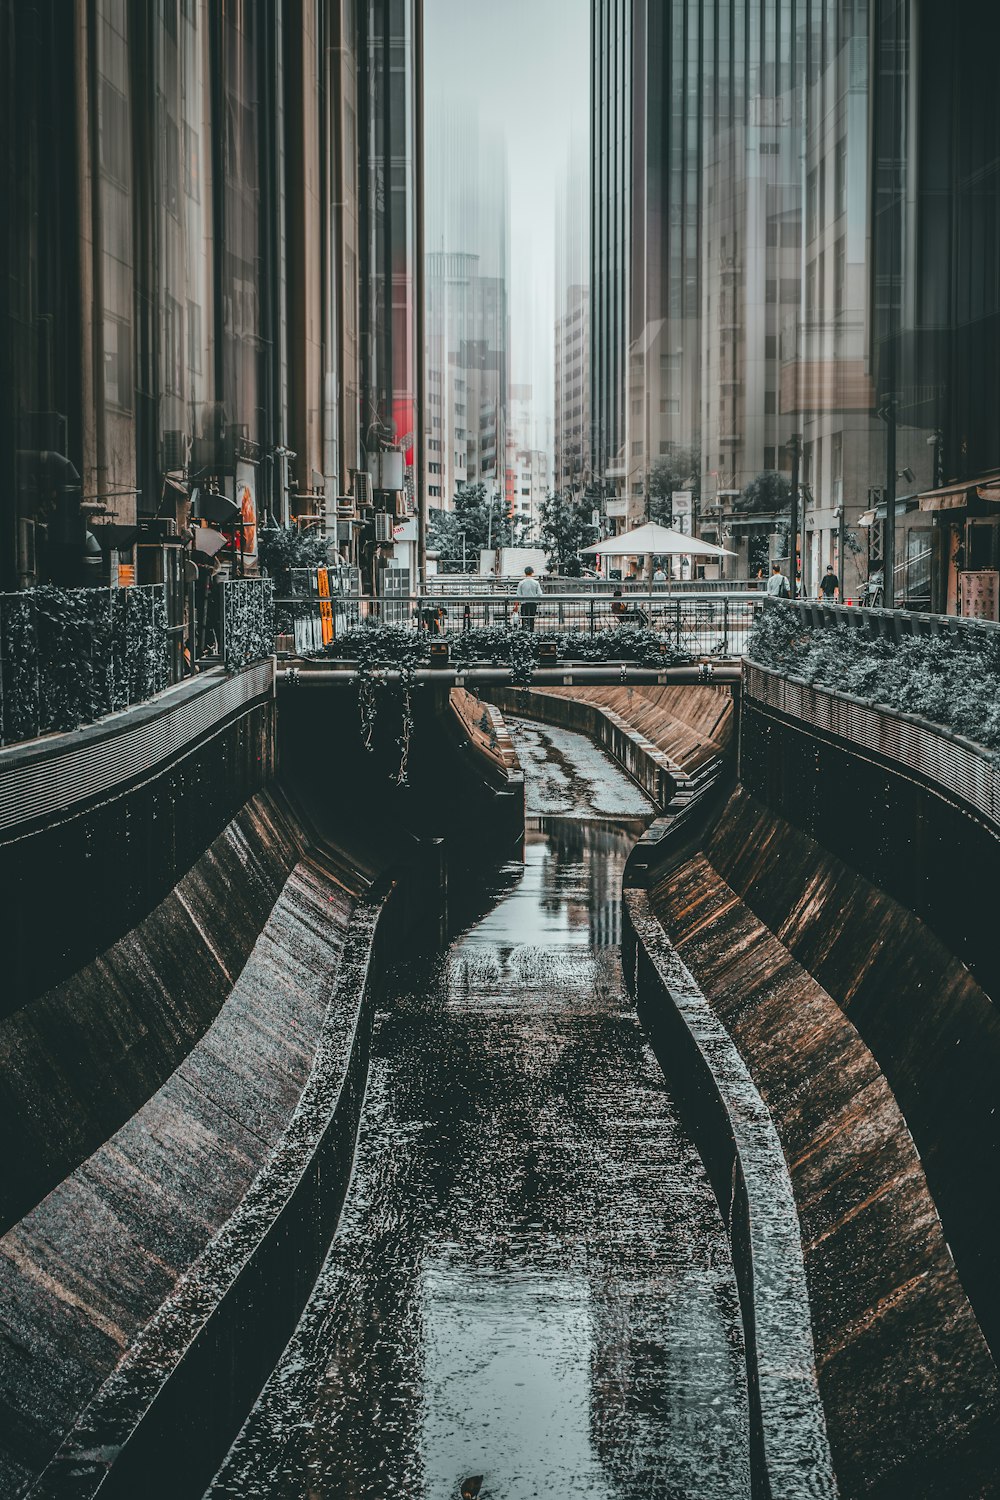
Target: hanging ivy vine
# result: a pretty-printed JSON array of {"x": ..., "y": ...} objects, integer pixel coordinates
[{"x": 376, "y": 650}]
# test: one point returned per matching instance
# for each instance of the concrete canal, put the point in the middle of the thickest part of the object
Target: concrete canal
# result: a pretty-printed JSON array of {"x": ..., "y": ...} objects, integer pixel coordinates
[{"x": 530, "y": 1280}]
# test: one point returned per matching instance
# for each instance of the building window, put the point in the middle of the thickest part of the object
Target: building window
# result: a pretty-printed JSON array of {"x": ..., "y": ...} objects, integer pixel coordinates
[
  {"x": 769, "y": 459},
  {"x": 812, "y": 205},
  {"x": 840, "y": 178},
  {"x": 434, "y": 490},
  {"x": 637, "y": 448},
  {"x": 837, "y": 468},
  {"x": 194, "y": 337},
  {"x": 118, "y": 363},
  {"x": 173, "y": 345},
  {"x": 839, "y": 275},
  {"x": 670, "y": 406},
  {"x": 192, "y": 164},
  {"x": 770, "y": 402},
  {"x": 171, "y": 166},
  {"x": 770, "y": 290},
  {"x": 770, "y": 346},
  {"x": 434, "y": 468},
  {"x": 114, "y": 133},
  {"x": 791, "y": 289}
]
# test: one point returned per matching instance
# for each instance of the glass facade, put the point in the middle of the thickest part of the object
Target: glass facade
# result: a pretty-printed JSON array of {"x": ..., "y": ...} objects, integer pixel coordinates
[
  {"x": 795, "y": 231},
  {"x": 197, "y": 233}
]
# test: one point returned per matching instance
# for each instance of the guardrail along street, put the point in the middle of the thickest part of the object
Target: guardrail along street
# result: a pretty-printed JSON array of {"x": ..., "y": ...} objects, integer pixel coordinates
[{"x": 704, "y": 625}]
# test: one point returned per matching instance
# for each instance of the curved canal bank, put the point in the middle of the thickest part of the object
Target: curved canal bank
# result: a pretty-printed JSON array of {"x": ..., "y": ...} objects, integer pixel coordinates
[{"x": 531, "y": 1279}]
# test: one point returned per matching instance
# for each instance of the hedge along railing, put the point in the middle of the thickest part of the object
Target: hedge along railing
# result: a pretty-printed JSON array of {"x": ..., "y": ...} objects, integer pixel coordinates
[
  {"x": 938, "y": 669},
  {"x": 246, "y": 613},
  {"x": 70, "y": 656}
]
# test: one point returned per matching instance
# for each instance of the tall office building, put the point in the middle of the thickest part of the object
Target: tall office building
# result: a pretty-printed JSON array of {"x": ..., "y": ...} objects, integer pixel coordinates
[
  {"x": 467, "y": 361},
  {"x": 207, "y": 276},
  {"x": 572, "y": 327},
  {"x": 935, "y": 286},
  {"x": 466, "y": 374}
]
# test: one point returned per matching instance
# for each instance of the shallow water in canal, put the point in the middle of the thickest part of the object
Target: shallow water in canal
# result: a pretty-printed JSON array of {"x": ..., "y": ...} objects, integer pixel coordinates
[{"x": 530, "y": 1280}]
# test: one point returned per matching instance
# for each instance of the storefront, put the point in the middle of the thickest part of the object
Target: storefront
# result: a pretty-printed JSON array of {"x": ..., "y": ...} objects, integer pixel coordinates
[{"x": 964, "y": 520}]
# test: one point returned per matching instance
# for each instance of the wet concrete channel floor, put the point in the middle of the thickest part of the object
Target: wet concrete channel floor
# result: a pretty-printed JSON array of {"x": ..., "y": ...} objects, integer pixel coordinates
[{"x": 530, "y": 1280}]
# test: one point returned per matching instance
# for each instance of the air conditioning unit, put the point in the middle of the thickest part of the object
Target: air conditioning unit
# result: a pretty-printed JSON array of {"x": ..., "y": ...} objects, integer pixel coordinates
[
  {"x": 383, "y": 526},
  {"x": 386, "y": 469},
  {"x": 361, "y": 486},
  {"x": 174, "y": 449}
]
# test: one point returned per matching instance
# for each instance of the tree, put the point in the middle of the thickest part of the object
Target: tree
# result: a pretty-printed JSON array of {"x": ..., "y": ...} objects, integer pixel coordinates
[
  {"x": 770, "y": 491},
  {"x": 480, "y": 519},
  {"x": 566, "y": 527},
  {"x": 679, "y": 470}
]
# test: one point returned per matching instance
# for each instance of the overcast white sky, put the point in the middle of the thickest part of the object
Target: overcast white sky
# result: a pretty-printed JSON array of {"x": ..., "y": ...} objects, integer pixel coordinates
[{"x": 525, "y": 62}]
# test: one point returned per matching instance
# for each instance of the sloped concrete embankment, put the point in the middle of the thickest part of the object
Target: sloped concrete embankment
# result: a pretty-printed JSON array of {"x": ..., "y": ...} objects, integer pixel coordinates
[
  {"x": 147, "y": 1295},
  {"x": 788, "y": 946},
  {"x": 669, "y": 740}
]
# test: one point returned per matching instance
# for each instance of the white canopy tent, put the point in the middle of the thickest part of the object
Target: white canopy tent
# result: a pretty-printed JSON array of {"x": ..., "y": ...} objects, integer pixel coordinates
[{"x": 651, "y": 541}]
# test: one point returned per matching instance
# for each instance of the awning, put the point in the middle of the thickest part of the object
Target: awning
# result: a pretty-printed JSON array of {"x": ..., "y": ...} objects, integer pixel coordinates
[
  {"x": 904, "y": 503},
  {"x": 949, "y": 497}
]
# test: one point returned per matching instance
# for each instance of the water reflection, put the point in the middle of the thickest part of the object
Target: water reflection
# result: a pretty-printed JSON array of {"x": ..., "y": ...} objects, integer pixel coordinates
[{"x": 530, "y": 1281}]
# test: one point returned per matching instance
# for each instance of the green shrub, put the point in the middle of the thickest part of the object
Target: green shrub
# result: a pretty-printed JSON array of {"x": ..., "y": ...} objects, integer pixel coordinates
[{"x": 952, "y": 680}]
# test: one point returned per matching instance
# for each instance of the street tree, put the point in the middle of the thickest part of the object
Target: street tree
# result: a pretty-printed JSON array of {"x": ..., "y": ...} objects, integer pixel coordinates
[
  {"x": 478, "y": 520},
  {"x": 567, "y": 525},
  {"x": 680, "y": 469},
  {"x": 769, "y": 492}
]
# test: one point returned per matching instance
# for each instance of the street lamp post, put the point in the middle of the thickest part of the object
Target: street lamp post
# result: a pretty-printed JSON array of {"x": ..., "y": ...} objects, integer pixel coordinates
[{"x": 795, "y": 444}]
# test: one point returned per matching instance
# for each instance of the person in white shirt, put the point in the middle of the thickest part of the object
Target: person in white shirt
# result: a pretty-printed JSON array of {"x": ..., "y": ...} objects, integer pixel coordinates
[
  {"x": 659, "y": 576},
  {"x": 529, "y": 591},
  {"x": 777, "y": 584}
]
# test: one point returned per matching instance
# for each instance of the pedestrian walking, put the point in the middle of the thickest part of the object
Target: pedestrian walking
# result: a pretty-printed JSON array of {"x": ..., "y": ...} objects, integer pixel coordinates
[
  {"x": 777, "y": 584},
  {"x": 529, "y": 591},
  {"x": 829, "y": 585}
]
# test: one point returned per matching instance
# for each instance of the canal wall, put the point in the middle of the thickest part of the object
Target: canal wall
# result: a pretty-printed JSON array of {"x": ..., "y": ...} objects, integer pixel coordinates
[
  {"x": 187, "y": 1104},
  {"x": 789, "y": 1448},
  {"x": 844, "y": 1004},
  {"x": 667, "y": 739}
]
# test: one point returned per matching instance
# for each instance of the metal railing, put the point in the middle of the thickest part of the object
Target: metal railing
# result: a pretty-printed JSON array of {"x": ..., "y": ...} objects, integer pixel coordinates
[
  {"x": 706, "y": 625},
  {"x": 70, "y": 656},
  {"x": 472, "y": 583},
  {"x": 890, "y": 624}
]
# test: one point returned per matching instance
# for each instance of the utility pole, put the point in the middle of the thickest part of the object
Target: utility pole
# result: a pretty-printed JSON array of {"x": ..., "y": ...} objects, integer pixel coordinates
[
  {"x": 795, "y": 444},
  {"x": 888, "y": 415},
  {"x": 420, "y": 414}
]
